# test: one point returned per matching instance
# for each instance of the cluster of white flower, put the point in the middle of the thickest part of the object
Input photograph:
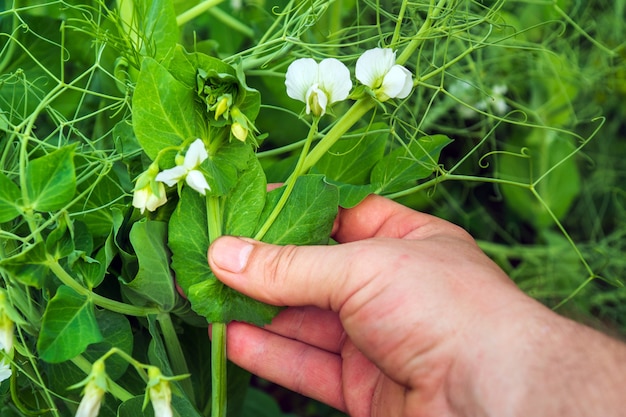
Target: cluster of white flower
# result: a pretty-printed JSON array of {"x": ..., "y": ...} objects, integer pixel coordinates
[
  {"x": 149, "y": 190},
  {"x": 96, "y": 385},
  {"x": 318, "y": 85},
  {"x": 321, "y": 84}
]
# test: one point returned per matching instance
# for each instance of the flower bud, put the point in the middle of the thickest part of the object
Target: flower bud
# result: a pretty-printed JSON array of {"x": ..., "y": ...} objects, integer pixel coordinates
[
  {"x": 160, "y": 393},
  {"x": 96, "y": 385},
  {"x": 239, "y": 131}
]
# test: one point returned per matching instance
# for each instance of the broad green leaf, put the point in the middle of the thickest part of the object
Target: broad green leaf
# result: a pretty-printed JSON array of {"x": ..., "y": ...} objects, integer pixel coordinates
[
  {"x": 405, "y": 166},
  {"x": 245, "y": 202},
  {"x": 164, "y": 110},
  {"x": 222, "y": 167},
  {"x": 60, "y": 241},
  {"x": 350, "y": 161},
  {"x": 93, "y": 210},
  {"x": 69, "y": 325},
  {"x": 221, "y": 304},
  {"x": 545, "y": 150},
  {"x": 134, "y": 407},
  {"x": 116, "y": 332},
  {"x": 153, "y": 284},
  {"x": 29, "y": 267},
  {"x": 9, "y": 196},
  {"x": 351, "y": 195},
  {"x": 51, "y": 180},
  {"x": 184, "y": 65},
  {"x": 189, "y": 242},
  {"x": 348, "y": 164},
  {"x": 308, "y": 216},
  {"x": 158, "y": 24},
  {"x": 188, "y": 239}
]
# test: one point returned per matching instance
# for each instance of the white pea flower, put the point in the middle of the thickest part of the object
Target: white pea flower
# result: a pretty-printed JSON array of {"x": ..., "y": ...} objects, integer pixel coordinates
[
  {"x": 149, "y": 194},
  {"x": 318, "y": 85},
  {"x": 377, "y": 69},
  {"x": 159, "y": 392},
  {"x": 96, "y": 385},
  {"x": 5, "y": 369},
  {"x": 149, "y": 198},
  {"x": 92, "y": 400},
  {"x": 187, "y": 170}
]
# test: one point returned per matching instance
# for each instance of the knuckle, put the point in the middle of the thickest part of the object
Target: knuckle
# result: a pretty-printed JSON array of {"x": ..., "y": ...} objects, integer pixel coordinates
[{"x": 278, "y": 267}]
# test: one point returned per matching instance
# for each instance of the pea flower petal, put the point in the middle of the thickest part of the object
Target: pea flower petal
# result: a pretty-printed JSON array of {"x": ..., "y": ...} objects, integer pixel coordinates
[
  {"x": 5, "y": 369},
  {"x": 196, "y": 154},
  {"x": 146, "y": 198},
  {"x": 159, "y": 393},
  {"x": 301, "y": 75},
  {"x": 195, "y": 179},
  {"x": 377, "y": 69},
  {"x": 172, "y": 175},
  {"x": 318, "y": 85}
]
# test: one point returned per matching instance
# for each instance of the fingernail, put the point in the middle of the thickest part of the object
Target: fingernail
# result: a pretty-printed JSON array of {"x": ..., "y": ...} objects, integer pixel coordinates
[{"x": 231, "y": 253}]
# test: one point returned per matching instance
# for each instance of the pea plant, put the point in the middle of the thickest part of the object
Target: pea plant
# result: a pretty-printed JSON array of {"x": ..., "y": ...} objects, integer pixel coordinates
[{"x": 133, "y": 133}]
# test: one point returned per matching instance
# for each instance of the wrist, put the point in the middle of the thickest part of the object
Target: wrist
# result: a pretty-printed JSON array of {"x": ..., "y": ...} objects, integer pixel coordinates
[{"x": 531, "y": 361}]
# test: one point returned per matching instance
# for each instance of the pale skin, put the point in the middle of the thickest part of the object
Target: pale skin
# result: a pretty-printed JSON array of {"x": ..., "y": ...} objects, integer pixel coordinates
[{"x": 408, "y": 317}]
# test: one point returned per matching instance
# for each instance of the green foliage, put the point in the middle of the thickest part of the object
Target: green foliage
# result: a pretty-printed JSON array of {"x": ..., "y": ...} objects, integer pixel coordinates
[
  {"x": 513, "y": 130},
  {"x": 69, "y": 326},
  {"x": 51, "y": 180}
]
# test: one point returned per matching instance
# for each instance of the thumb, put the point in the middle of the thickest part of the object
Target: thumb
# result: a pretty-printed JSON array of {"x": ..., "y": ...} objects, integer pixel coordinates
[{"x": 286, "y": 275}]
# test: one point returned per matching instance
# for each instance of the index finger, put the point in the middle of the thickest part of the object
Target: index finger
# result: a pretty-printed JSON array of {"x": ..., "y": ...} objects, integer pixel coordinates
[{"x": 378, "y": 216}]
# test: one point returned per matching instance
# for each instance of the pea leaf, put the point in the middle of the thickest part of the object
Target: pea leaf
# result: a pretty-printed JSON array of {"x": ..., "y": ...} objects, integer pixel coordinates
[
  {"x": 221, "y": 304},
  {"x": 350, "y": 161},
  {"x": 164, "y": 109},
  {"x": 9, "y": 195},
  {"x": 348, "y": 164},
  {"x": 188, "y": 239},
  {"x": 51, "y": 180},
  {"x": 157, "y": 19},
  {"x": 222, "y": 167},
  {"x": 245, "y": 202},
  {"x": 69, "y": 325},
  {"x": 116, "y": 332},
  {"x": 28, "y": 267},
  {"x": 184, "y": 65},
  {"x": 153, "y": 284},
  {"x": 406, "y": 165},
  {"x": 189, "y": 242},
  {"x": 308, "y": 216}
]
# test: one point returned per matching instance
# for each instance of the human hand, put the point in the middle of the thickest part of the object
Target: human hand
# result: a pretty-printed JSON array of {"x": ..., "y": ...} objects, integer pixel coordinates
[{"x": 406, "y": 316}]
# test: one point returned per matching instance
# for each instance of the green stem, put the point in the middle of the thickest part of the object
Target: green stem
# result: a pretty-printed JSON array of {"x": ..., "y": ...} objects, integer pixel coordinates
[
  {"x": 107, "y": 303},
  {"x": 218, "y": 370},
  {"x": 231, "y": 22},
  {"x": 219, "y": 383},
  {"x": 290, "y": 183},
  {"x": 114, "y": 389},
  {"x": 196, "y": 11},
  {"x": 175, "y": 352},
  {"x": 353, "y": 115},
  {"x": 433, "y": 14}
]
